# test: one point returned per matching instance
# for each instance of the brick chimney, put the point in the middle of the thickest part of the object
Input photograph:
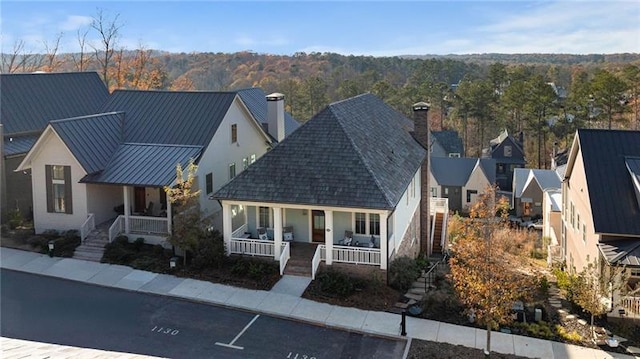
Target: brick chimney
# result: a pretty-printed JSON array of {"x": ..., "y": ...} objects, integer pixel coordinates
[
  {"x": 275, "y": 115},
  {"x": 421, "y": 134}
]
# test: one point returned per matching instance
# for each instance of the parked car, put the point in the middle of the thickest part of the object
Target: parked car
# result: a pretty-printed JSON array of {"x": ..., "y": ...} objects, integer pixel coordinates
[{"x": 533, "y": 225}]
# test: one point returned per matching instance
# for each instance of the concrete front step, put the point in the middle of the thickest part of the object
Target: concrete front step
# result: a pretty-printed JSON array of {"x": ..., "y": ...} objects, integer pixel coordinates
[{"x": 93, "y": 257}]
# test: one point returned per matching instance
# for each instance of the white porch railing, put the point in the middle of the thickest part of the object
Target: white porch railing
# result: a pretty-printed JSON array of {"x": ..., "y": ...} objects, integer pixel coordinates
[
  {"x": 317, "y": 258},
  {"x": 354, "y": 255},
  {"x": 438, "y": 205},
  {"x": 238, "y": 233},
  {"x": 253, "y": 247},
  {"x": 631, "y": 306},
  {"x": 443, "y": 235},
  {"x": 88, "y": 226},
  {"x": 148, "y": 225},
  {"x": 116, "y": 228},
  {"x": 285, "y": 254}
]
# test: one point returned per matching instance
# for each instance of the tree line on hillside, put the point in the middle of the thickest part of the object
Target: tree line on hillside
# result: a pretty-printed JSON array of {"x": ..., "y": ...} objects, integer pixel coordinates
[{"x": 547, "y": 97}]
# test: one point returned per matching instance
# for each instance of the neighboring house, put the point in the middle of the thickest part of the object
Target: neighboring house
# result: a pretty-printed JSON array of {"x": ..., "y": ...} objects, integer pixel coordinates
[
  {"x": 528, "y": 187},
  {"x": 88, "y": 170},
  {"x": 27, "y": 103},
  {"x": 508, "y": 153},
  {"x": 446, "y": 143},
  {"x": 461, "y": 180},
  {"x": 551, "y": 223},
  {"x": 351, "y": 171},
  {"x": 601, "y": 206}
]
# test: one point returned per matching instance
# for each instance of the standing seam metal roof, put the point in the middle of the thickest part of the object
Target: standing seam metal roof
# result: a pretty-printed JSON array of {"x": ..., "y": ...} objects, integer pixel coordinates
[
  {"x": 256, "y": 101},
  {"x": 352, "y": 154},
  {"x": 29, "y": 101},
  {"x": 91, "y": 139},
  {"x": 611, "y": 192}
]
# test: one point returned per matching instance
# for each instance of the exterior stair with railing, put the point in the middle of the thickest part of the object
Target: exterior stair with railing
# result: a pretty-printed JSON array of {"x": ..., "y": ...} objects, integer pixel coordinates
[
  {"x": 439, "y": 227},
  {"x": 92, "y": 248},
  {"x": 300, "y": 261}
]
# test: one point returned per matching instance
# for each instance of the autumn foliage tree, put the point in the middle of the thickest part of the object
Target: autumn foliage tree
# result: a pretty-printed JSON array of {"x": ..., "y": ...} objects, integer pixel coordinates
[
  {"x": 484, "y": 262},
  {"x": 187, "y": 225}
]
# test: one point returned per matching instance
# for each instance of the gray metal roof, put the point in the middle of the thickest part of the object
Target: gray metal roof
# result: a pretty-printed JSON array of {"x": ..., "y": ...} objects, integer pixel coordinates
[
  {"x": 354, "y": 153},
  {"x": 30, "y": 101},
  {"x": 547, "y": 178},
  {"x": 449, "y": 140},
  {"x": 18, "y": 144},
  {"x": 520, "y": 177},
  {"x": 544, "y": 179},
  {"x": 611, "y": 192},
  {"x": 91, "y": 139},
  {"x": 621, "y": 251},
  {"x": 256, "y": 101},
  {"x": 170, "y": 117},
  {"x": 452, "y": 171},
  {"x": 148, "y": 165}
]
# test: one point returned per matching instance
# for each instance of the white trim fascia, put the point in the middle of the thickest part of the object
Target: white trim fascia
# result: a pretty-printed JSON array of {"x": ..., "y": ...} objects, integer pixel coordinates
[
  {"x": 575, "y": 148},
  {"x": 35, "y": 149},
  {"x": 307, "y": 207}
]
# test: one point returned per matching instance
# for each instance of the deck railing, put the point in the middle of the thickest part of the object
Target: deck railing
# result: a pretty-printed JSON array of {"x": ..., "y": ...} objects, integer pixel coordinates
[
  {"x": 148, "y": 225},
  {"x": 116, "y": 228},
  {"x": 285, "y": 254},
  {"x": 238, "y": 233},
  {"x": 88, "y": 226},
  {"x": 354, "y": 255},
  {"x": 438, "y": 205},
  {"x": 631, "y": 306},
  {"x": 317, "y": 258},
  {"x": 252, "y": 247}
]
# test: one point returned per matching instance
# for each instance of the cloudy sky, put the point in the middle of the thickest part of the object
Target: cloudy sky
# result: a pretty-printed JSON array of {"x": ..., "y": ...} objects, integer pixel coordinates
[{"x": 378, "y": 28}]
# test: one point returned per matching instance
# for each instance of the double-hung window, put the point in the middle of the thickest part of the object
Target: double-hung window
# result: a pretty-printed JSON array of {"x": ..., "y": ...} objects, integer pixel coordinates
[
  {"x": 264, "y": 217},
  {"x": 361, "y": 223},
  {"x": 58, "y": 187}
]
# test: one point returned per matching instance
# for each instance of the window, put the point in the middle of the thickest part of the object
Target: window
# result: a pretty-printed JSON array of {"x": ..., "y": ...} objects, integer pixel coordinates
[
  {"x": 573, "y": 216},
  {"x": 500, "y": 168},
  {"x": 209, "y": 183},
  {"x": 58, "y": 187},
  {"x": 163, "y": 198},
  {"x": 264, "y": 217},
  {"x": 232, "y": 170},
  {"x": 507, "y": 151},
  {"x": 584, "y": 233},
  {"x": 469, "y": 194},
  {"x": 245, "y": 163},
  {"x": 578, "y": 221},
  {"x": 361, "y": 223},
  {"x": 253, "y": 158},
  {"x": 374, "y": 224},
  {"x": 446, "y": 191},
  {"x": 434, "y": 191},
  {"x": 234, "y": 133},
  {"x": 456, "y": 155}
]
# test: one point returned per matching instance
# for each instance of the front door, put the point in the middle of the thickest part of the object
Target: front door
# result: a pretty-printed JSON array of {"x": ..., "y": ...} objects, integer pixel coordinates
[
  {"x": 140, "y": 199},
  {"x": 318, "y": 226}
]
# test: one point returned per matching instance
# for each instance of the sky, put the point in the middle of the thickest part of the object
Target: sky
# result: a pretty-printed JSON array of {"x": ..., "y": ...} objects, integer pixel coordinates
[{"x": 373, "y": 28}]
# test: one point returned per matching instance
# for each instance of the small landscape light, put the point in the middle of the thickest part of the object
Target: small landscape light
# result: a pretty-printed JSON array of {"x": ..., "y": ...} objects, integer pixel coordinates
[
  {"x": 51, "y": 247},
  {"x": 172, "y": 262}
]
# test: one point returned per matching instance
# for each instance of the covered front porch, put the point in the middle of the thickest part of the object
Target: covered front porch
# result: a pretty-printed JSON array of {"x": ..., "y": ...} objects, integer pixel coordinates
[
  {"x": 145, "y": 212},
  {"x": 342, "y": 235}
]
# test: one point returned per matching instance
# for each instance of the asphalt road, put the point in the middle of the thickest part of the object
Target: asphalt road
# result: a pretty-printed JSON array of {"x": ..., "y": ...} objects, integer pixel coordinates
[{"x": 64, "y": 312}]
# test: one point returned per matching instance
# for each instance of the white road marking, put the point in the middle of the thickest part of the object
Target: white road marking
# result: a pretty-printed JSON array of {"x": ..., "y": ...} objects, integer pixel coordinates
[{"x": 230, "y": 345}]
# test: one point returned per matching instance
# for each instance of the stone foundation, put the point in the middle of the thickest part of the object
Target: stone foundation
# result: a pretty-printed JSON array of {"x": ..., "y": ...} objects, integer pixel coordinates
[{"x": 410, "y": 245}]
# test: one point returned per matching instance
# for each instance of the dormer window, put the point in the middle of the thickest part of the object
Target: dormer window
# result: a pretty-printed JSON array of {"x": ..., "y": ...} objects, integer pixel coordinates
[
  {"x": 454, "y": 155},
  {"x": 507, "y": 151}
]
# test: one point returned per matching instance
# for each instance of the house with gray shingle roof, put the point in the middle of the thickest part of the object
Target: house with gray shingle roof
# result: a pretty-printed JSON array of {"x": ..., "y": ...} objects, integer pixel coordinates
[
  {"x": 601, "y": 208},
  {"x": 508, "y": 152},
  {"x": 27, "y": 103},
  {"x": 446, "y": 143},
  {"x": 115, "y": 163},
  {"x": 461, "y": 180},
  {"x": 528, "y": 188},
  {"x": 347, "y": 181}
]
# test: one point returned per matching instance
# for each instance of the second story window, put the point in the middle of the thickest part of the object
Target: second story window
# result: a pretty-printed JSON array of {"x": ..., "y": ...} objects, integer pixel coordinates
[
  {"x": 232, "y": 170},
  {"x": 234, "y": 133},
  {"x": 507, "y": 151},
  {"x": 209, "y": 183}
]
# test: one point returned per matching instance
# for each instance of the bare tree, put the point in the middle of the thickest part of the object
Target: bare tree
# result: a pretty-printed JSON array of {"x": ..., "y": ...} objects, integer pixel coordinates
[
  {"x": 51, "y": 58},
  {"x": 108, "y": 30},
  {"x": 81, "y": 60},
  {"x": 19, "y": 59}
]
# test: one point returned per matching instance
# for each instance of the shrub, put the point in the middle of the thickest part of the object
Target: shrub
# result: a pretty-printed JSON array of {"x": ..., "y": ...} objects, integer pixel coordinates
[
  {"x": 255, "y": 269},
  {"x": 15, "y": 218},
  {"x": 209, "y": 251},
  {"x": 336, "y": 283},
  {"x": 544, "y": 284},
  {"x": 571, "y": 337},
  {"x": 66, "y": 244},
  {"x": 118, "y": 252},
  {"x": 50, "y": 234},
  {"x": 138, "y": 243},
  {"x": 402, "y": 273},
  {"x": 540, "y": 329}
]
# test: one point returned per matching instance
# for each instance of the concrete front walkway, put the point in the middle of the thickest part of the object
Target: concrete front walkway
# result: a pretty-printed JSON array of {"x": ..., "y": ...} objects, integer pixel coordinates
[{"x": 284, "y": 301}]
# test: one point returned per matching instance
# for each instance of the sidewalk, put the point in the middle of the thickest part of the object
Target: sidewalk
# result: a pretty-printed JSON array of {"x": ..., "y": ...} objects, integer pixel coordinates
[{"x": 284, "y": 301}]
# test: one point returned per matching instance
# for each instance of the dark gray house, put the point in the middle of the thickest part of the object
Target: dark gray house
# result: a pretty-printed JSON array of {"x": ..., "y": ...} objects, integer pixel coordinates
[
  {"x": 446, "y": 143},
  {"x": 27, "y": 103},
  {"x": 508, "y": 152}
]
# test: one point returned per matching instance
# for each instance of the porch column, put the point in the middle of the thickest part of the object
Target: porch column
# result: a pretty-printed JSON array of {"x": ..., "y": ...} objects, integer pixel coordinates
[
  {"x": 328, "y": 236},
  {"x": 227, "y": 227},
  {"x": 169, "y": 214},
  {"x": 127, "y": 208},
  {"x": 277, "y": 232},
  {"x": 384, "y": 241}
]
